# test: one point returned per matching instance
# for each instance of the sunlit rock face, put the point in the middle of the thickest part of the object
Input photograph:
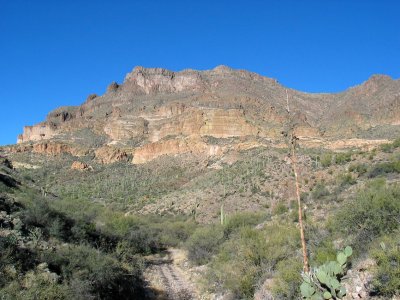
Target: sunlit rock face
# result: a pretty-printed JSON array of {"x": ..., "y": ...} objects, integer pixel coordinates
[
  {"x": 157, "y": 112},
  {"x": 157, "y": 80},
  {"x": 36, "y": 133}
]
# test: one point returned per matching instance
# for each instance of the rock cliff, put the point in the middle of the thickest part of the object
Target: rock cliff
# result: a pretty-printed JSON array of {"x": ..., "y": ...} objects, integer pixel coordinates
[{"x": 159, "y": 112}]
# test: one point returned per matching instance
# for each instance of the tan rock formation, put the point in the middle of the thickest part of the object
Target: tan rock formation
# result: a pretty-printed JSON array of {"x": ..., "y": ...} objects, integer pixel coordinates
[
  {"x": 126, "y": 128},
  {"x": 36, "y": 133},
  {"x": 77, "y": 165},
  {"x": 55, "y": 148},
  {"x": 107, "y": 155},
  {"x": 193, "y": 145},
  {"x": 219, "y": 123},
  {"x": 160, "y": 80},
  {"x": 50, "y": 148},
  {"x": 226, "y": 123}
]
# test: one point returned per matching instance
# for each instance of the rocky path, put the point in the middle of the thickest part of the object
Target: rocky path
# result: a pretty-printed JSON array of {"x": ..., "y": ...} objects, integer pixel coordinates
[{"x": 166, "y": 280}]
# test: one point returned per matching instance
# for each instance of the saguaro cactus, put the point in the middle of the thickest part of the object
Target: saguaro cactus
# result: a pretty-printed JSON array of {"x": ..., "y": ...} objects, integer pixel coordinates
[{"x": 222, "y": 214}]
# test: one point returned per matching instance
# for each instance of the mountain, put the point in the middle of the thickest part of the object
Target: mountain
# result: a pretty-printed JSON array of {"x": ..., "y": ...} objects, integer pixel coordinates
[
  {"x": 180, "y": 185},
  {"x": 158, "y": 112}
]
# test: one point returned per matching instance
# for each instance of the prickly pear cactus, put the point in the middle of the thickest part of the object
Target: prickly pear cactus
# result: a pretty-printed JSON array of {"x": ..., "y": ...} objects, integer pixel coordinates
[{"x": 324, "y": 282}]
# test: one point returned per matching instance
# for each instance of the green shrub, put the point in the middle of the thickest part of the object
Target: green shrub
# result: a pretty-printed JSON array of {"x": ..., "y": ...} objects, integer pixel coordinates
[
  {"x": 239, "y": 264},
  {"x": 8, "y": 250},
  {"x": 324, "y": 252},
  {"x": 121, "y": 225},
  {"x": 38, "y": 213},
  {"x": 384, "y": 168},
  {"x": 238, "y": 220},
  {"x": 204, "y": 243},
  {"x": 344, "y": 180},
  {"x": 396, "y": 143},
  {"x": 342, "y": 158},
  {"x": 288, "y": 279},
  {"x": 173, "y": 233},
  {"x": 108, "y": 279},
  {"x": 373, "y": 212},
  {"x": 248, "y": 255},
  {"x": 359, "y": 168},
  {"x": 326, "y": 159},
  {"x": 35, "y": 285},
  {"x": 280, "y": 208},
  {"x": 386, "y": 148},
  {"x": 143, "y": 241},
  {"x": 386, "y": 280},
  {"x": 319, "y": 191},
  {"x": 390, "y": 146}
]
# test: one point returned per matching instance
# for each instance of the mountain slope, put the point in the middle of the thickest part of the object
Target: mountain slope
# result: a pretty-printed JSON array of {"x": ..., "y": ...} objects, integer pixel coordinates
[{"x": 159, "y": 112}]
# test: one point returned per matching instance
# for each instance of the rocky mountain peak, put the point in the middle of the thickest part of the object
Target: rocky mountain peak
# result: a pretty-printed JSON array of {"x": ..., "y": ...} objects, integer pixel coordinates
[
  {"x": 377, "y": 80},
  {"x": 222, "y": 69},
  {"x": 155, "y": 80},
  {"x": 140, "y": 71},
  {"x": 380, "y": 78},
  {"x": 375, "y": 84}
]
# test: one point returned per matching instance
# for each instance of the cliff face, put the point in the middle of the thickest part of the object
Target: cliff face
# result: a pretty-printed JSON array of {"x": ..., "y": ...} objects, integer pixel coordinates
[
  {"x": 36, "y": 133},
  {"x": 157, "y": 80},
  {"x": 159, "y": 112}
]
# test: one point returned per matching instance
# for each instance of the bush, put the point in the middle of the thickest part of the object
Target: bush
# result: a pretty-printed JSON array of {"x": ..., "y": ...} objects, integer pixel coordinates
[
  {"x": 342, "y": 158},
  {"x": 384, "y": 168},
  {"x": 396, "y": 143},
  {"x": 143, "y": 241},
  {"x": 320, "y": 191},
  {"x": 248, "y": 255},
  {"x": 173, "y": 233},
  {"x": 35, "y": 285},
  {"x": 345, "y": 180},
  {"x": 326, "y": 159},
  {"x": 8, "y": 250},
  {"x": 280, "y": 209},
  {"x": 108, "y": 279},
  {"x": 387, "y": 275},
  {"x": 359, "y": 168},
  {"x": 243, "y": 219},
  {"x": 239, "y": 264},
  {"x": 204, "y": 243},
  {"x": 390, "y": 146},
  {"x": 373, "y": 212},
  {"x": 324, "y": 252},
  {"x": 288, "y": 279}
]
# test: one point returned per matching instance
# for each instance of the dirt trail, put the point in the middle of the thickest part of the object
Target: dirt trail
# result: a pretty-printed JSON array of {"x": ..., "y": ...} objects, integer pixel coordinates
[{"x": 166, "y": 280}]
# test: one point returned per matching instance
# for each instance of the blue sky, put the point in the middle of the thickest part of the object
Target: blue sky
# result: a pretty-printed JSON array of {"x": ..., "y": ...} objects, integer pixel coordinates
[{"x": 55, "y": 53}]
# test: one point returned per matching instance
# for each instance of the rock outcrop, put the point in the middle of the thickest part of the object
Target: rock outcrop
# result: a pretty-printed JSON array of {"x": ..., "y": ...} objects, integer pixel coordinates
[
  {"x": 36, "y": 133},
  {"x": 80, "y": 166},
  {"x": 193, "y": 145},
  {"x": 158, "y": 112},
  {"x": 157, "y": 80},
  {"x": 107, "y": 155},
  {"x": 50, "y": 148}
]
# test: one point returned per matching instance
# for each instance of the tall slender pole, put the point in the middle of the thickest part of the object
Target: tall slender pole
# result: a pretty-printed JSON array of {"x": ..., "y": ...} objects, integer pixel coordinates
[{"x": 292, "y": 141}]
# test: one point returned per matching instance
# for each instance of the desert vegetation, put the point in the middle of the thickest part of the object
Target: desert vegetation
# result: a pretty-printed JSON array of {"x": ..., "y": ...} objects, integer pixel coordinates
[{"x": 75, "y": 235}]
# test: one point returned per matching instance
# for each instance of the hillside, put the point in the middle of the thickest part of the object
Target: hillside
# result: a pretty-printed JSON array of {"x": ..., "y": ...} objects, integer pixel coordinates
[{"x": 145, "y": 172}]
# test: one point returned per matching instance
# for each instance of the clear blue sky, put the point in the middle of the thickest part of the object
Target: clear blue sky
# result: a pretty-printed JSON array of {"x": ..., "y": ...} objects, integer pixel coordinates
[{"x": 55, "y": 53}]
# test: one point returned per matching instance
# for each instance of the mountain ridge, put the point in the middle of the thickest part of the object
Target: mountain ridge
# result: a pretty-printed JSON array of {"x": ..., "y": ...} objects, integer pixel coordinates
[{"x": 154, "y": 106}]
